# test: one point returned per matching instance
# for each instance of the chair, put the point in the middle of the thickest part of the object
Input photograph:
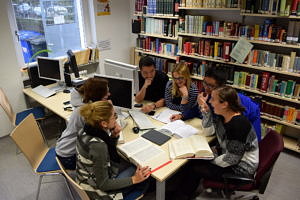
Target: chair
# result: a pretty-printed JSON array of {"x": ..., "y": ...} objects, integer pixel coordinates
[
  {"x": 30, "y": 141},
  {"x": 269, "y": 149},
  {"x": 83, "y": 195},
  {"x": 15, "y": 119}
]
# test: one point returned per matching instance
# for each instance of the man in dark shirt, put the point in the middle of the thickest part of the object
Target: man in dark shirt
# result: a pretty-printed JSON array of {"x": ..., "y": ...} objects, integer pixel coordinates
[{"x": 152, "y": 84}]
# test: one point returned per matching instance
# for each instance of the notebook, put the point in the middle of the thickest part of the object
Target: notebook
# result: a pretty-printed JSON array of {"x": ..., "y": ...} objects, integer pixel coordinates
[{"x": 156, "y": 137}]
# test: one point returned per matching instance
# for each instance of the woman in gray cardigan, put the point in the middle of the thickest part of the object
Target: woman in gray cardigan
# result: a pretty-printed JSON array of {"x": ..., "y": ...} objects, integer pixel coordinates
[{"x": 98, "y": 161}]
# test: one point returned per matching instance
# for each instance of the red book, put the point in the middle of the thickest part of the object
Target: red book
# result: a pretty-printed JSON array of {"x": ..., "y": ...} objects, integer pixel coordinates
[
  {"x": 248, "y": 80},
  {"x": 294, "y": 7},
  {"x": 201, "y": 47},
  {"x": 226, "y": 51},
  {"x": 264, "y": 81},
  {"x": 206, "y": 48}
]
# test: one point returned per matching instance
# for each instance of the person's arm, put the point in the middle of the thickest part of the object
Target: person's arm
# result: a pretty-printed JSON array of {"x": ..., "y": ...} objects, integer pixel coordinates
[
  {"x": 142, "y": 93},
  {"x": 192, "y": 98},
  {"x": 149, "y": 107}
]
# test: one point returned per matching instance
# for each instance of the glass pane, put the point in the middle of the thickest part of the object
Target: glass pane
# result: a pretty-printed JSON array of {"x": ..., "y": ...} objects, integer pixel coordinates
[{"x": 47, "y": 25}]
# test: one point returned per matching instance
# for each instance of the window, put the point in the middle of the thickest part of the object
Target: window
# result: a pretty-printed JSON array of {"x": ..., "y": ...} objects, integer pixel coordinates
[{"x": 54, "y": 25}]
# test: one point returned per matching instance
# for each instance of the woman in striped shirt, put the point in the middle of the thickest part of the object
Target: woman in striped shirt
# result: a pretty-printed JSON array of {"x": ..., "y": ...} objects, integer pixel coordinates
[{"x": 181, "y": 93}]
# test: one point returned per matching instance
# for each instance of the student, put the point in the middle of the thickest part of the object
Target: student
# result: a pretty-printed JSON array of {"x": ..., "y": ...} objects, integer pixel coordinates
[
  {"x": 93, "y": 89},
  {"x": 152, "y": 85},
  {"x": 215, "y": 77},
  {"x": 97, "y": 158},
  {"x": 181, "y": 93},
  {"x": 237, "y": 151}
]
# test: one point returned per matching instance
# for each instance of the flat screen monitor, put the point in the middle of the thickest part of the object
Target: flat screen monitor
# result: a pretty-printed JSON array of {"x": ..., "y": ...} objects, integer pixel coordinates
[
  {"x": 121, "y": 90},
  {"x": 51, "y": 68},
  {"x": 73, "y": 63},
  {"x": 122, "y": 70}
]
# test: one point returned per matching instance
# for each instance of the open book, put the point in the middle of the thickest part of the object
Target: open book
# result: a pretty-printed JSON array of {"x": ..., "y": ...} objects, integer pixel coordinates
[
  {"x": 180, "y": 129},
  {"x": 144, "y": 153},
  {"x": 195, "y": 146}
]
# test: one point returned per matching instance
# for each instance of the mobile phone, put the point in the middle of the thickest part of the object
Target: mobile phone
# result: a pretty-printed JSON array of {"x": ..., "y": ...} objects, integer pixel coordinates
[
  {"x": 151, "y": 113},
  {"x": 66, "y": 102},
  {"x": 138, "y": 105}
]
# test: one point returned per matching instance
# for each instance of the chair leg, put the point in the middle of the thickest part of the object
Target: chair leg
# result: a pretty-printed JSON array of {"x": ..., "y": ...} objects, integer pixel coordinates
[{"x": 39, "y": 186}]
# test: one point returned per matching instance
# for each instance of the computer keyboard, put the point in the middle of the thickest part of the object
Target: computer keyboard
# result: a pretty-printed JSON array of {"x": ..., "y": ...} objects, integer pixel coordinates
[
  {"x": 43, "y": 91},
  {"x": 141, "y": 120}
]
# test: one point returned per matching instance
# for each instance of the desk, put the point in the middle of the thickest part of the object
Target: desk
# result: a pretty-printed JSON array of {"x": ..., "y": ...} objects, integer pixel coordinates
[
  {"x": 167, "y": 171},
  {"x": 53, "y": 103}
]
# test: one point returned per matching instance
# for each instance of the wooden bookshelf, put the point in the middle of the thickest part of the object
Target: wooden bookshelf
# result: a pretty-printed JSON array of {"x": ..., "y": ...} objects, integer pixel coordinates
[
  {"x": 291, "y": 144},
  {"x": 243, "y": 65},
  {"x": 220, "y": 9},
  {"x": 280, "y": 121},
  {"x": 266, "y": 94},
  {"x": 237, "y": 38},
  {"x": 159, "y": 36},
  {"x": 157, "y": 16},
  {"x": 156, "y": 54},
  {"x": 262, "y": 15},
  {"x": 192, "y": 76},
  {"x": 294, "y": 17}
]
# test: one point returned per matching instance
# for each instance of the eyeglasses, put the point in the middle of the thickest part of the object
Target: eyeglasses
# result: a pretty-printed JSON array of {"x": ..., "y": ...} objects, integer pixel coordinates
[
  {"x": 178, "y": 78},
  {"x": 205, "y": 84}
]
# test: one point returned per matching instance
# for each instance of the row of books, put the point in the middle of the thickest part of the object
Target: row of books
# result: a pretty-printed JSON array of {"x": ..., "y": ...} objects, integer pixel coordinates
[
  {"x": 157, "y": 46},
  {"x": 266, "y": 127},
  {"x": 210, "y": 3},
  {"x": 157, "y": 7},
  {"x": 268, "y": 31},
  {"x": 280, "y": 62},
  {"x": 286, "y": 113},
  {"x": 272, "y": 7},
  {"x": 165, "y": 27},
  {"x": 163, "y": 64},
  {"x": 265, "y": 82}
]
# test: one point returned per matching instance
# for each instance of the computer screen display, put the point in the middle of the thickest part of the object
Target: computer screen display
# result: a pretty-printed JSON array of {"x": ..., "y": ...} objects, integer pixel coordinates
[
  {"x": 121, "y": 90},
  {"x": 50, "y": 68},
  {"x": 122, "y": 70},
  {"x": 73, "y": 63}
]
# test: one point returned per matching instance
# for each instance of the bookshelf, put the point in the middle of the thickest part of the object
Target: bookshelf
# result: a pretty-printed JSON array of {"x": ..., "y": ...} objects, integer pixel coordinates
[{"x": 233, "y": 14}]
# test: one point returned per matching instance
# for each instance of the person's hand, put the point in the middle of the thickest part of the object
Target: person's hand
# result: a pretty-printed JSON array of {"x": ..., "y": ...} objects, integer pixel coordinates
[
  {"x": 184, "y": 91},
  {"x": 141, "y": 174},
  {"x": 148, "y": 82},
  {"x": 202, "y": 99},
  {"x": 115, "y": 132},
  {"x": 147, "y": 108},
  {"x": 175, "y": 117}
]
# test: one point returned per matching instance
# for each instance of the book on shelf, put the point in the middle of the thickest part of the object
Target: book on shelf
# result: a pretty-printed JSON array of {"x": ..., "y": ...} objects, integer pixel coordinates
[
  {"x": 195, "y": 147},
  {"x": 180, "y": 129},
  {"x": 144, "y": 153}
]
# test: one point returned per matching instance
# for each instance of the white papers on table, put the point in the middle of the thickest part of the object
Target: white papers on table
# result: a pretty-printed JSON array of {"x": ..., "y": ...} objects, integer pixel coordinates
[{"x": 165, "y": 115}]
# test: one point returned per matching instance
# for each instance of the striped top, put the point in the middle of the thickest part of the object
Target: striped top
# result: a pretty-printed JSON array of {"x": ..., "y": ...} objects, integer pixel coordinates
[{"x": 174, "y": 103}]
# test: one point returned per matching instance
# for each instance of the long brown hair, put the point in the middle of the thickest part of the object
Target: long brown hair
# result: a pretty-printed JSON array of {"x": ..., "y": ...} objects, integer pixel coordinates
[
  {"x": 229, "y": 94},
  {"x": 93, "y": 89},
  {"x": 182, "y": 69},
  {"x": 94, "y": 113}
]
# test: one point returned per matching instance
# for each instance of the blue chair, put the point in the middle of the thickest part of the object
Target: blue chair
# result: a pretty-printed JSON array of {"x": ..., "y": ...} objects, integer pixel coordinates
[
  {"x": 15, "y": 119},
  {"x": 30, "y": 141}
]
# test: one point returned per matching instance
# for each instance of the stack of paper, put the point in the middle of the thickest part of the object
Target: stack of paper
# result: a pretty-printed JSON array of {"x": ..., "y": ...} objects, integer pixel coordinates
[{"x": 165, "y": 115}]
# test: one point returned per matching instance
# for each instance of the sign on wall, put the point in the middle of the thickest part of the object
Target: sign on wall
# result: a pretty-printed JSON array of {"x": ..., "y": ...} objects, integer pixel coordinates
[{"x": 103, "y": 7}]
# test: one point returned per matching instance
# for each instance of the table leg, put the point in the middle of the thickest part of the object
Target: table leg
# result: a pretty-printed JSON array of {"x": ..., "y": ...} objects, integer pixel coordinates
[{"x": 160, "y": 190}]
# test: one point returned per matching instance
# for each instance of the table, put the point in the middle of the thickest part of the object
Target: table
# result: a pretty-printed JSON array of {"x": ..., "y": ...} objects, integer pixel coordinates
[
  {"x": 167, "y": 171},
  {"x": 53, "y": 103}
]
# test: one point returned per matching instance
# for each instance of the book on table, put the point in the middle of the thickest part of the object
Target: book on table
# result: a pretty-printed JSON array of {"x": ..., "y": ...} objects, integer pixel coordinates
[
  {"x": 144, "y": 153},
  {"x": 180, "y": 129},
  {"x": 193, "y": 147}
]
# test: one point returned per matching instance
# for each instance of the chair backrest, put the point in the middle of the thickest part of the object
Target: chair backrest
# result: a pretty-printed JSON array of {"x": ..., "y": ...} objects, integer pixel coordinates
[
  {"x": 269, "y": 149},
  {"x": 30, "y": 141},
  {"x": 4, "y": 102},
  {"x": 83, "y": 195}
]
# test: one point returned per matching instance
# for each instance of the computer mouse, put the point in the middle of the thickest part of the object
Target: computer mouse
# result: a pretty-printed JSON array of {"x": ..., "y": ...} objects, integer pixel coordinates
[
  {"x": 136, "y": 129},
  {"x": 66, "y": 91}
]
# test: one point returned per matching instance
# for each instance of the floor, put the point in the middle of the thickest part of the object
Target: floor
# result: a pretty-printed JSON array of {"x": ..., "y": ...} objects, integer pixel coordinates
[{"x": 18, "y": 182}]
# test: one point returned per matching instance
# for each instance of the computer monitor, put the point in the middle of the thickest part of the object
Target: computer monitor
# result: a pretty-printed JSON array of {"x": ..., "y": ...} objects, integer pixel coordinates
[
  {"x": 122, "y": 70},
  {"x": 72, "y": 63},
  {"x": 121, "y": 90},
  {"x": 51, "y": 68}
]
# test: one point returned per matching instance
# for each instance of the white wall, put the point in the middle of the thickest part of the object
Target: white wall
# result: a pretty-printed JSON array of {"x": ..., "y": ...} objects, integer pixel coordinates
[
  {"x": 10, "y": 76},
  {"x": 116, "y": 28}
]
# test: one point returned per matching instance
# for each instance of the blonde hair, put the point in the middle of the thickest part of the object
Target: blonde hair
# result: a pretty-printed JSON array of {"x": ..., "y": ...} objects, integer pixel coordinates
[
  {"x": 94, "y": 113},
  {"x": 182, "y": 69}
]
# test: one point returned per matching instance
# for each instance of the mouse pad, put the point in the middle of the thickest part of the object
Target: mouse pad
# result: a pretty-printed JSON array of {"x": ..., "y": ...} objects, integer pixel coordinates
[{"x": 156, "y": 137}]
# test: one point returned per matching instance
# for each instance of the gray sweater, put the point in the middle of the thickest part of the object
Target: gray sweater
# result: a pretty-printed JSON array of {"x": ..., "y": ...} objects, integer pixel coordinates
[{"x": 238, "y": 143}]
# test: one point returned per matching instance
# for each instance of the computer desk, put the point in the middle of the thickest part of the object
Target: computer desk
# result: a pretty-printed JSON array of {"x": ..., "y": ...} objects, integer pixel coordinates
[
  {"x": 167, "y": 171},
  {"x": 55, "y": 104}
]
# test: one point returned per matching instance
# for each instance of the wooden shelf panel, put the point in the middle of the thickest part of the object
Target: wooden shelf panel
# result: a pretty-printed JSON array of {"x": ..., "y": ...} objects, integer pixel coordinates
[
  {"x": 221, "y": 9},
  {"x": 266, "y": 94},
  {"x": 192, "y": 76},
  {"x": 291, "y": 144},
  {"x": 280, "y": 121},
  {"x": 157, "y": 16},
  {"x": 244, "y": 65},
  {"x": 268, "y": 15},
  {"x": 159, "y": 36},
  {"x": 237, "y": 38},
  {"x": 156, "y": 54}
]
